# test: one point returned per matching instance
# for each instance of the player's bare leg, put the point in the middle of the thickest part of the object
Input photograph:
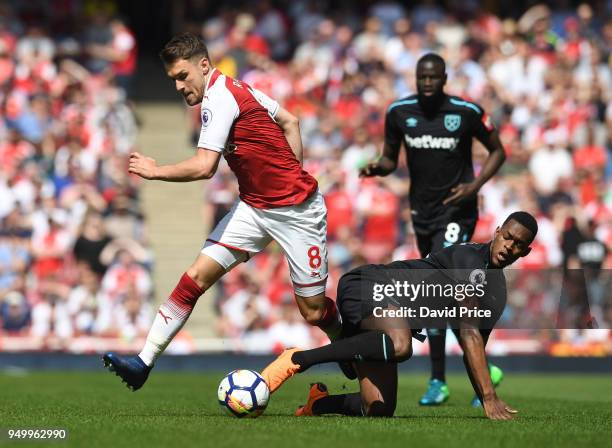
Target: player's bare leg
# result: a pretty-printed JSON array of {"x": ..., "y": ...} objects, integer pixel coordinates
[
  {"x": 170, "y": 318},
  {"x": 322, "y": 312}
]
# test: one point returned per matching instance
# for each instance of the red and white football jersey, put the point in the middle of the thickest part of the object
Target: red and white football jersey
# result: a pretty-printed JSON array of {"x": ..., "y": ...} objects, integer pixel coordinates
[{"x": 239, "y": 121}]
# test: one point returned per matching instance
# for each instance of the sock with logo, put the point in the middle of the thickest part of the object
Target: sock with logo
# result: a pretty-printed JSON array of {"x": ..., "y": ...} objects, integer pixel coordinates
[
  {"x": 369, "y": 346},
  {"x": 170, "y": 318}
]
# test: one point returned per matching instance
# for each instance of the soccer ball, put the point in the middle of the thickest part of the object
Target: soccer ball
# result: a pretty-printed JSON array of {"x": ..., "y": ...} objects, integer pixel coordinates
[{"x": 243, "y": 393}]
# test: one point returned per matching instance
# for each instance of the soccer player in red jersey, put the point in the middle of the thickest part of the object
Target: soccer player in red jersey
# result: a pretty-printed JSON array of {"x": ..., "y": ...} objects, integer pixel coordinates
[{"x": 278, "y": 200}]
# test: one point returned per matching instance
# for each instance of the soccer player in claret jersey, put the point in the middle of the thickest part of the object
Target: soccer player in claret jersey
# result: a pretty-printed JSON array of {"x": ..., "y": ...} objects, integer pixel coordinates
[
  {"x": 374, "y": 342},
  {"x": 437, "y": 130},
  {"x": 278, "y": 200}
]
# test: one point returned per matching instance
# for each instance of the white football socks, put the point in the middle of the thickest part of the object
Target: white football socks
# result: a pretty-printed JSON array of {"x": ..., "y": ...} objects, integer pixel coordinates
[{"x": 168, "y": 321}]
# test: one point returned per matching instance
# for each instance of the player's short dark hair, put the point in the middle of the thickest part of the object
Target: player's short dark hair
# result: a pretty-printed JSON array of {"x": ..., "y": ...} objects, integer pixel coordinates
[
  {"x": 183, "y": 46},
  {"x": 525, "y": 219},
  {"x": 434, "y": 58}
]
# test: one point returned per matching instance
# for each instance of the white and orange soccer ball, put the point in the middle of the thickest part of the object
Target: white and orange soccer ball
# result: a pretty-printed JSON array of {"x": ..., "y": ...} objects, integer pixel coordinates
[{"x": 243, "y": 393}]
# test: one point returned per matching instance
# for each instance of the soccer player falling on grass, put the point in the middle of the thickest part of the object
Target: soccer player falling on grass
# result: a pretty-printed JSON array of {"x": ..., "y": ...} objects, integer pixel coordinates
[
  {"x": 437, "y": 130},
  {"x": 278, "y": 200},
  {"x": 375, "y": 342}
]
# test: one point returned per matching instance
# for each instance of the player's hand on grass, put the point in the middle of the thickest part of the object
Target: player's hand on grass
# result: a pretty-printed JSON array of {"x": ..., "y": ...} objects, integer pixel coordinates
[
  {"x": 460, "y": 193},
  {"x": 142, "y": 166},
  {"x": 496, "y": 409}
]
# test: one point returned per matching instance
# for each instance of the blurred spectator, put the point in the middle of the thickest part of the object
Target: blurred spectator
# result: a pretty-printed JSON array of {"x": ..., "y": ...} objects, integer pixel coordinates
[
  {"x": 326, "y": 140},
  {"x": 15, "y": 258},
  {"x": 133, "y": 315},
  {"x": 379, "y": 207},
  {"x": 14, "y": 313},
  {"x": 124, "y": 220},
  {"x": 13, "y": 151},
  {"x": 244, "y": 307},
  {"x": 370, "y": 43},
  {"x": 89, "y": 308},
  {"x": 272, "y": 26},
  {"x": 97, "y": 34},
  {"x": 289, "y": 328},
  {"x": 120, "y": 53},
  {"x": 592, "y": 253},
  {"x": 388, "y": 13},
  {"x": 126, "y": 273},
  {"x": 91, "y": 242},
  {"x": 550, "y": 97},
  {"x": 66, "y": 129},
  {"x": 356, "y": 156},
  {"x": 65, "y": 133},
  {"x": 307, "y": 16},
  {"x": 51, "y": 321},
  {"x": 51, "y": 246},
  {"x": 550, "y": 164},
  {"x": 426, "y": 12},
  {"x": 340, "y": 209}
]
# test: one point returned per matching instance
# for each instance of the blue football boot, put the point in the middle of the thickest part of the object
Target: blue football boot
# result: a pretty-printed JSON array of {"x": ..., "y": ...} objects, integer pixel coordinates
[
  {"x": 132, "y": 370},
  {"x": 436, "y": 394}
]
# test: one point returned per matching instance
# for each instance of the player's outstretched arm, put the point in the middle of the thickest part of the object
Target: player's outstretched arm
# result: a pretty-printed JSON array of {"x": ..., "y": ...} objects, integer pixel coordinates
[
  {"x": 290, "y": 125},
  {"x": 201, "y": 166},
  {"x": 478, "y": 370}
]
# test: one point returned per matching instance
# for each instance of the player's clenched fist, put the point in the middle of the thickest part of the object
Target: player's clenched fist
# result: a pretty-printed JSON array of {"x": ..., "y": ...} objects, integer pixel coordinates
[{"x": 143, "y": 166}]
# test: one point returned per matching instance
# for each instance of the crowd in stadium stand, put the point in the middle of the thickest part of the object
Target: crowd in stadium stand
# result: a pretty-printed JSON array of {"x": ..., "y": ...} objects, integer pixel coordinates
[
  {"x": 543, "y": 75},
  {"x": 74, "y": 256},
  {"x": 545, "y": 79}
]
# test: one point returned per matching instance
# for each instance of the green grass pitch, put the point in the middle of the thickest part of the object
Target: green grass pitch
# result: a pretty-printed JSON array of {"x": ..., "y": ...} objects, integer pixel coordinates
[{"x": 180, "y": 410}]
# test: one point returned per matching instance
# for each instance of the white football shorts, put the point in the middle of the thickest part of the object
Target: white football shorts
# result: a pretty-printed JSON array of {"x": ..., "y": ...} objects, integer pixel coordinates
[{"x": 300, "y": 230}]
